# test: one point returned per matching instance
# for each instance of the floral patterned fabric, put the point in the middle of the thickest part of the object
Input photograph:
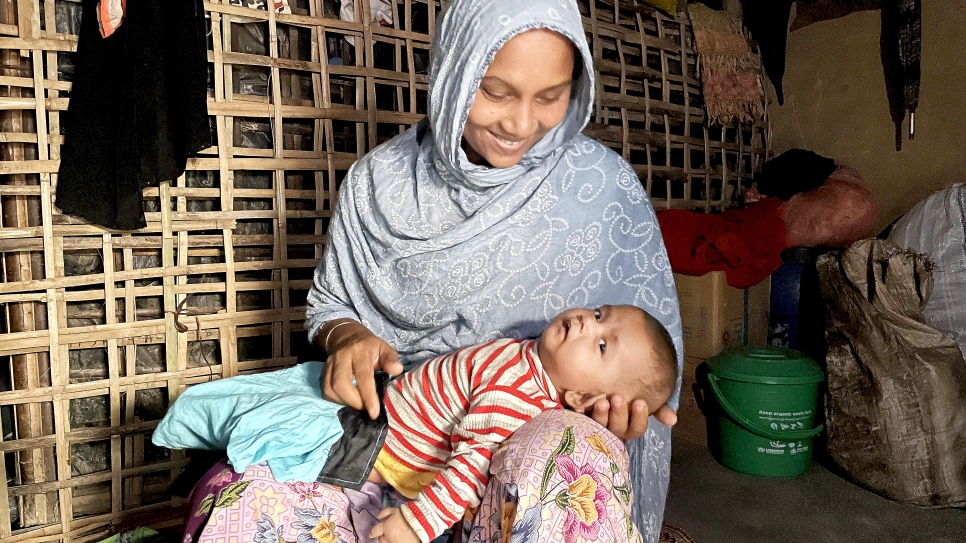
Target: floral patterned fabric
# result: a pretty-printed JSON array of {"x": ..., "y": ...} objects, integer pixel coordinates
[
  {"x": 568, "y": 472},
  {"x": 227, "y": 507},
  {"x": 560, "y": 470}
]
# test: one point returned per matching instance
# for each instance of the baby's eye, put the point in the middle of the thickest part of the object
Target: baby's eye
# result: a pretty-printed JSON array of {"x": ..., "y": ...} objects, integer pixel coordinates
[
  {"x": 603, "y": 345},
  {"x": 597, "y": 315}
]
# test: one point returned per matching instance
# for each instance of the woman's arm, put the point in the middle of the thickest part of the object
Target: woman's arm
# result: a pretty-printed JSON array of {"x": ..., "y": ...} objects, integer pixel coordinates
[{"x": 353, "y": 354}]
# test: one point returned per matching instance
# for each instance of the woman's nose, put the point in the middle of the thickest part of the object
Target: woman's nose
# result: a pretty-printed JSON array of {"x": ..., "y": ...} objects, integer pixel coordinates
[{"x": 519, "y": 122}]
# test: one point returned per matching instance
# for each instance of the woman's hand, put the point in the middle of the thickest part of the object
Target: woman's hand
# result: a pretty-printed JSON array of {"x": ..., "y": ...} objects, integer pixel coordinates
[
  {"x": 629, "y": 424},
  {"x": 355, "y": 353}
]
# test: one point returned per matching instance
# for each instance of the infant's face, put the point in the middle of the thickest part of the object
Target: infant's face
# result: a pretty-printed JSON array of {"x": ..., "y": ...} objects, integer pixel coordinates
[{"x": 597, "y": 350}]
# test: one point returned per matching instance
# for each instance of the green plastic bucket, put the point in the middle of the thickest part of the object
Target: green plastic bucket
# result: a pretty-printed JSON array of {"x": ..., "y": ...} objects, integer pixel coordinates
[{"x": 760, "y": 405}]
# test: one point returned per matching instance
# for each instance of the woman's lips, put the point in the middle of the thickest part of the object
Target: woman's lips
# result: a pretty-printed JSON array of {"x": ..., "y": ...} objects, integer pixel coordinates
[{"x": 507, "y": 146}]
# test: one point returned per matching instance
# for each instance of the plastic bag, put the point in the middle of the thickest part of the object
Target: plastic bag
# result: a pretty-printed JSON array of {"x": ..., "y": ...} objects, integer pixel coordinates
[
  {"x": 937, "y": 227},
  {"x": 896, "y": 401}
]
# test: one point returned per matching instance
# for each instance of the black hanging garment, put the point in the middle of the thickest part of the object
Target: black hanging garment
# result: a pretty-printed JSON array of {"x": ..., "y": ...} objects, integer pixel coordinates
[
  {"x": 138, "y": 109},
  {"x": 900, "y": 45},
  {"x": 768, "y": 22}
]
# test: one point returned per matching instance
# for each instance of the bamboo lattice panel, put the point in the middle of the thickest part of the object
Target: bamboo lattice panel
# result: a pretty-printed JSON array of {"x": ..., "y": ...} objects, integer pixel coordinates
[
  {"x": 91, "y": 353},
  {"x": 91, "y": 345},
  {"x": 650, "y": 110}
]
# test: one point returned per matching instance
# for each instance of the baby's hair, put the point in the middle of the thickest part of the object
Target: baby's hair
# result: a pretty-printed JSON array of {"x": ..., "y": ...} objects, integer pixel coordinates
[{"x": 663, "y": 370}]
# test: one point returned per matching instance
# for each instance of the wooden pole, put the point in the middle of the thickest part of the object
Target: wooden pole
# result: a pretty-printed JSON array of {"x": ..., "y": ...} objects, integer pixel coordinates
[{"x": 29, "y": 370}]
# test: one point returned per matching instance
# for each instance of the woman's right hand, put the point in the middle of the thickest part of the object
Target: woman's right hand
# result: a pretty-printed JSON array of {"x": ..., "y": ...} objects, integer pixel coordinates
[{"x": 355, "y": 353}]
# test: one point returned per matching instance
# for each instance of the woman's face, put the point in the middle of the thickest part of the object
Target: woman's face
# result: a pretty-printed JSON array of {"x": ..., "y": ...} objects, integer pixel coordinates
[{"x": 524, "y": 95}]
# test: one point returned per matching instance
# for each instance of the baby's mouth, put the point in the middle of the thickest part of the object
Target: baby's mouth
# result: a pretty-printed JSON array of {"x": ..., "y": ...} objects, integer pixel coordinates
[{"x": 566, "y": 327}]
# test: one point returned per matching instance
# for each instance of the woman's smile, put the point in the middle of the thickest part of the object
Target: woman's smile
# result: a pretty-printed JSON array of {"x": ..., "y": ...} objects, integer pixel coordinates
[{"x": 508, "y": 146}]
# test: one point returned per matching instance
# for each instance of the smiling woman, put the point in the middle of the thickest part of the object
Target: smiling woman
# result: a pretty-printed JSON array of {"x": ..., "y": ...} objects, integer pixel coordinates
[
  {"x": 521, "y": 98},
  {"x": 485, "y": 221}
]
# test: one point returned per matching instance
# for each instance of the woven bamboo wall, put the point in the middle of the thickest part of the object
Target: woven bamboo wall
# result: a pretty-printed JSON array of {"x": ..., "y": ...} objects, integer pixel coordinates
[
  {"x": 650, "y": 110},
  {"x": 101, "y": 330}
]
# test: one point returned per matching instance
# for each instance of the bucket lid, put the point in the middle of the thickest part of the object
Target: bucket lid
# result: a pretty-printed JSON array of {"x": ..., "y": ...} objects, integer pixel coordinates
[{"x": 766, "y": 365}]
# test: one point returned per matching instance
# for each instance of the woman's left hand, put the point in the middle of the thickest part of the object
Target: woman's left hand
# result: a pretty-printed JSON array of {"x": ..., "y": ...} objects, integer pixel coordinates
[{"x": 629, "y": 424}]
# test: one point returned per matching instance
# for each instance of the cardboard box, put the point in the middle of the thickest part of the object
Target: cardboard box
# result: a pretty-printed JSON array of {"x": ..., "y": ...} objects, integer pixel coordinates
[
  {"x": 691, "y": 421},
  {"x": 757, "y": 313},
  {"x": 715, "y": 315}
]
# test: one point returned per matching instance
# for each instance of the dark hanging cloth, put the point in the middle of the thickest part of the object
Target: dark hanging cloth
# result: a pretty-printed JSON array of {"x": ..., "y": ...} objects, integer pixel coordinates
[
  {"x": 138, "y": 109},
  {"x": 793, "y": 171},
  {"x": 900, "y": 44},
  {"x": 768, "y": 22}
]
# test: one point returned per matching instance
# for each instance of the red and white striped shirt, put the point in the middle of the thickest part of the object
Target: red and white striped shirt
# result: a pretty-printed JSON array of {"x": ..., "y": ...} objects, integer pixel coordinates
[{"x": 449, "y": 416}]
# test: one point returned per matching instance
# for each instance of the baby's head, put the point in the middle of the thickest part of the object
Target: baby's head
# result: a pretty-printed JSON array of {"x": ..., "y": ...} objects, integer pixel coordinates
[{"x": 591, "y": 354}]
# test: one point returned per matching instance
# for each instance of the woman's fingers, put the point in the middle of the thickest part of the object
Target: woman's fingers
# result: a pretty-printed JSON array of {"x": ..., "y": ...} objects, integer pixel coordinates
[
  {"x": 618, "y": 418},
  {"x": 366, "y": 387},
  {"x": 344, "y": 391},
  {"x": 666, "y": 415},
  {"x": 327, "y": 389},
  {"x": 601, "y": 412},
  {"x": 389, "y": 361},
  {"x": 637, "y": 424},
  {"x": 627, "y": 422},
  {"x": 349, "y": 372}
]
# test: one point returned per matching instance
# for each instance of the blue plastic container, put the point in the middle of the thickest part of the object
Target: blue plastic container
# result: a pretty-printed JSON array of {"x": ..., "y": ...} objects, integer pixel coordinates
[{"x": 785, "y": 297}]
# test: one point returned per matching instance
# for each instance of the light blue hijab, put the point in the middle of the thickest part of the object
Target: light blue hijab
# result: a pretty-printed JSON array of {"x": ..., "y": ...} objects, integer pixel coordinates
[{"x": 434, "y": 253}]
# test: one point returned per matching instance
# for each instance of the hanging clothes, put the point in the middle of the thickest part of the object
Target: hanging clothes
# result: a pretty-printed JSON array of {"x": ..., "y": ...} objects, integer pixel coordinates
[
  {"x": 138, "y": 109},
  {"x": 768, "y": 22},
  {"x": 900, "y": 45},
  {"x": 110, "y": 15},
  {"x": 730, "y": 84}
]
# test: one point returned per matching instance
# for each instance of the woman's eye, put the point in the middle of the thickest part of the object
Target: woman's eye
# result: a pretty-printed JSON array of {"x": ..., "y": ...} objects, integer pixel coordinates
[
  {"x": 603, "y": 345},
  {"x": 597, "y": 315},
  {"x": 549, "y": 99},
  {"x": 496, "y": 97}
]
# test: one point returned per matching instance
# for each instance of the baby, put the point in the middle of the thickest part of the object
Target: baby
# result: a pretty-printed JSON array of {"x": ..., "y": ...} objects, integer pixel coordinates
[{"x": 442, "y": 421}]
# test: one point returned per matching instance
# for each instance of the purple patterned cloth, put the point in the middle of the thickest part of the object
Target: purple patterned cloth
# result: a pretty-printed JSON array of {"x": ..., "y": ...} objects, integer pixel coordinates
[{"x": 560, "y": 469}]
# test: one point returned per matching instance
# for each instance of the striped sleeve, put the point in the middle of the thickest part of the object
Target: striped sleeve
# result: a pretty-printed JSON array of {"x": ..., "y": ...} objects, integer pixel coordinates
[{"x": 503, "y": 398}]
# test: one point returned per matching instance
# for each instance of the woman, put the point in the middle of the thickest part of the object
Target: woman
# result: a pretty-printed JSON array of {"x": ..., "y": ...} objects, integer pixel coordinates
[
  {"x": 485, "y": 221},
  {"x": 490, "y": 217}
]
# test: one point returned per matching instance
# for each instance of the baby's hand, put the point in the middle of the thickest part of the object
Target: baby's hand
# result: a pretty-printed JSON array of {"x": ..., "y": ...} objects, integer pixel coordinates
[{"x": 393, "y": 528}]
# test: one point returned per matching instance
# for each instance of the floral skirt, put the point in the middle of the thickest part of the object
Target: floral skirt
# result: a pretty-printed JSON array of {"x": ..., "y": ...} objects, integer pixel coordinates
[{"x": 561, "y": 473}]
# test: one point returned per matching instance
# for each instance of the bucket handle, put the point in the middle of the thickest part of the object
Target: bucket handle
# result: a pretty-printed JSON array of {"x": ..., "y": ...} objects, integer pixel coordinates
[{"x": 754, "y": 427}]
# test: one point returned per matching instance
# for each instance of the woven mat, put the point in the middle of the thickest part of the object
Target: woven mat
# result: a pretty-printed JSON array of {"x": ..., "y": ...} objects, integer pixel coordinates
[{"x": 672, "y": 534}]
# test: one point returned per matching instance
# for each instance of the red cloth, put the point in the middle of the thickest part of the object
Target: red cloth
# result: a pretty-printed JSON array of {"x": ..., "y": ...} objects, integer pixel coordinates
[{"x": 745, "y": 243}]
